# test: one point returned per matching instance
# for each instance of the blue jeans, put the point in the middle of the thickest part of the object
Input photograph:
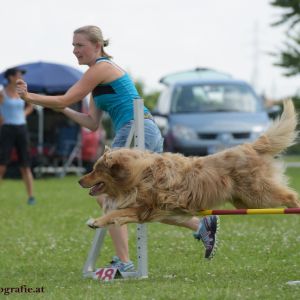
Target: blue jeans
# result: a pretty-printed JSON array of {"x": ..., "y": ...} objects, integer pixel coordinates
[{"x": 153, "y": 138}]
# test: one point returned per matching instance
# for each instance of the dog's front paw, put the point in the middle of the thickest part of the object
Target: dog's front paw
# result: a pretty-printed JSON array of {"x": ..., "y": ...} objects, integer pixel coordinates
[
  {"x": 92, "y": 223},
  {"x": 98, "y": 223}
]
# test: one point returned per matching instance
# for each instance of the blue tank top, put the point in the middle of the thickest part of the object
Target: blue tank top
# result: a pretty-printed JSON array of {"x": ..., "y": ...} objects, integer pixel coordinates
[
  {"x": 12, "y": 110},
  {"x": 116, "y": 98}
]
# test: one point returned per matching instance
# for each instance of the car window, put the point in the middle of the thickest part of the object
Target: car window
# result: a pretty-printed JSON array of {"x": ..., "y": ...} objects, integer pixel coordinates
[
  {"x": 163, "y": 103},
  {"x": 214, "y": 97}
]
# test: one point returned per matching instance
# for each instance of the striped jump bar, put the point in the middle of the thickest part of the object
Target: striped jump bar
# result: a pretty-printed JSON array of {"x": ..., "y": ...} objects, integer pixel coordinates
[{"x": 260, "y": 211}]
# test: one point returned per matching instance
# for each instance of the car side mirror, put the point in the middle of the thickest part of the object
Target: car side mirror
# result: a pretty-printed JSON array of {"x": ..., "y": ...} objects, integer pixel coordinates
[{"x": 161, "y": 120}]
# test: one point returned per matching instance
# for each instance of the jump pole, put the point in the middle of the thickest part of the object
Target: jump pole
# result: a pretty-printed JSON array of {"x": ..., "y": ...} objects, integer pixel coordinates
[
  {"x": 138, "y": 136},
  {"x": 141, "y": 229},
  {"x": 250, "y": 211}
]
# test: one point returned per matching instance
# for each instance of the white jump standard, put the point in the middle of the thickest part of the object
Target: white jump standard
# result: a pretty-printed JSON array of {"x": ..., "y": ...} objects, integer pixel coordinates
[{"x": 89, "y": 269}]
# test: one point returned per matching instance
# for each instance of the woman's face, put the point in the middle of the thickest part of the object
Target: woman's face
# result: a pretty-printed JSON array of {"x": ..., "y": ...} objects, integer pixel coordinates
[
  {"x": 85, "y": 51},
  {"x": 13, "y": 78}
]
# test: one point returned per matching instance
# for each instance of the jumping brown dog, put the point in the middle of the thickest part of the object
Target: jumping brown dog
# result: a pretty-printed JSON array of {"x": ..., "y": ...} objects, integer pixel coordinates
[{"x": 147, "y": 187}]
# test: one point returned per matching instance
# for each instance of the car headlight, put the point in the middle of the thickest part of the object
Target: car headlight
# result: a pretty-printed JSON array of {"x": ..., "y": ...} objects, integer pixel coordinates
[
  {"x": 257, "y": 131},
  {"x": 183, "y": 132}
]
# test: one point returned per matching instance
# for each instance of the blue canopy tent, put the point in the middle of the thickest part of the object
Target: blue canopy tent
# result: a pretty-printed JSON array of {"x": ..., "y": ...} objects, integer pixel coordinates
[{"x": 50, "y": 79}]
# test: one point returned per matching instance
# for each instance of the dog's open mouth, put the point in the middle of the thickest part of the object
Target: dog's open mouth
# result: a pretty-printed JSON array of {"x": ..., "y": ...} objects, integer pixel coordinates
[{"x": 96, "y": 189}]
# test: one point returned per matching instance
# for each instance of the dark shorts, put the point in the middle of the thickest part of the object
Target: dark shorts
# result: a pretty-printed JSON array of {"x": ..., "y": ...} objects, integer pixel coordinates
[{"x": 14, "y": 136}]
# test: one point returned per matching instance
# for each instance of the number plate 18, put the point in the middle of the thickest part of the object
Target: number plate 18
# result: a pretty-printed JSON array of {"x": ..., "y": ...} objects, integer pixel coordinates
[{"x": 106, "y": 274}]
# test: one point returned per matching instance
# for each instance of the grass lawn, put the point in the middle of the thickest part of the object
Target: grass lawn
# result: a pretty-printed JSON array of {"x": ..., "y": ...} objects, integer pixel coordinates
[
  {"x": 292, "y": 158},
  {"x": 46, "y": 245}
]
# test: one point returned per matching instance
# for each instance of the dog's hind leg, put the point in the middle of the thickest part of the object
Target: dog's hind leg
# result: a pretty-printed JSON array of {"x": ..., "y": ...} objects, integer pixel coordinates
[
  {"x": 270, "y": 196},
  {"x": 288, "y": 197},
  {"x": 276, "y": 195},
  {"x": 238, "y": 203},
  {"x": 182, "y": 221}
]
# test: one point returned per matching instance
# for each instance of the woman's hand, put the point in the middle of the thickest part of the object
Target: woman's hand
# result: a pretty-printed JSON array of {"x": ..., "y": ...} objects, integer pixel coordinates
[{"x": 22, "y": 89}]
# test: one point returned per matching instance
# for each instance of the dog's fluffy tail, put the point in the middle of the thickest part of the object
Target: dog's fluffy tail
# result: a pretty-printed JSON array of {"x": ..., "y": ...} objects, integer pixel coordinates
[{"x": 281, "y": 134}]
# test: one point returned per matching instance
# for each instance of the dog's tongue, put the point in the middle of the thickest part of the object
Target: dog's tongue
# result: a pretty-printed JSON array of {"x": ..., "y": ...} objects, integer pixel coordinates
[{"x": 96, "y": 188}]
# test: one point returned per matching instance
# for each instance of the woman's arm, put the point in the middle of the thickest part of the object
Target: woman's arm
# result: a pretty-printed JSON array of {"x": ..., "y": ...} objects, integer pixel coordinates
[
  {"x": 28, "y": 109},
  {"x": 93, "y": 76},
  {"x": 90, "y": 120},
  {"x": 1, "y": 97}
]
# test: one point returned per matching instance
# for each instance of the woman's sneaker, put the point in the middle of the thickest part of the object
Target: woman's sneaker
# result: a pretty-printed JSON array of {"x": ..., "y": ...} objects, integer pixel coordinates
[
  {"x": 121, "y": 266},
  {"x": 207, "y": 233},
  {"x": 31, "y": 201}
]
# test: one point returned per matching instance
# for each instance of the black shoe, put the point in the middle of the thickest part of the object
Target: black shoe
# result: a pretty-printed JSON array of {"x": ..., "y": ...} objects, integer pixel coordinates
[{"x": 31, "y": 201}]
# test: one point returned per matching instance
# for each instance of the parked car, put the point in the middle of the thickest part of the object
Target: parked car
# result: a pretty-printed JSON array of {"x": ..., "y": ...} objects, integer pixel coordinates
[{"x": 203, "y": 111}]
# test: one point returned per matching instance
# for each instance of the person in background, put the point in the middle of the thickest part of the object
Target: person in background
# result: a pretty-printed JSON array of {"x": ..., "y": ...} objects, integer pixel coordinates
[
  {"x": 14, "y": 132},
  {"x": 113, "y": 91},
  {"x": 1, "y": 118}
]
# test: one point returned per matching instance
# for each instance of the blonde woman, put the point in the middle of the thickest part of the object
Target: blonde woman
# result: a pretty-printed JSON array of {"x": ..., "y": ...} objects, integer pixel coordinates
[{"x": 113, "y": 91}]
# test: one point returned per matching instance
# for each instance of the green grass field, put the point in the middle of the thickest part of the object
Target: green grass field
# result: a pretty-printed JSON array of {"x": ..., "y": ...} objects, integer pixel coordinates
[{"x": 46, "y": 245}]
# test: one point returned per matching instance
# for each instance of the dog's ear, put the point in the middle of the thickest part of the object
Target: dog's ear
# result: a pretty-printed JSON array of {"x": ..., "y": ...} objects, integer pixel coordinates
[
  {"x": 112, "y": 158},
  {"x": 108, "y": 160},
  {"x": 106, "y": 149},
  {"x": 107, "y": 157},
  {"x": 115, "y": 163}
]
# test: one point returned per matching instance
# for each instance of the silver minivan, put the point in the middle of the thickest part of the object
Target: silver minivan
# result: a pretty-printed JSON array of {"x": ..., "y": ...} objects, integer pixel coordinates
[{"x": 202, "y": 111}]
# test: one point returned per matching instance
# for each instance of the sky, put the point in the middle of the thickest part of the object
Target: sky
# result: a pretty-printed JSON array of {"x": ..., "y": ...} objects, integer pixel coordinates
[{"x": 152, "y": 38}]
